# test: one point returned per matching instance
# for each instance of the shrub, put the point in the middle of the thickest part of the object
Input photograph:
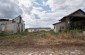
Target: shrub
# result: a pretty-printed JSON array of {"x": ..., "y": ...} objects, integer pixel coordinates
[{"x": 3, "y": 34}]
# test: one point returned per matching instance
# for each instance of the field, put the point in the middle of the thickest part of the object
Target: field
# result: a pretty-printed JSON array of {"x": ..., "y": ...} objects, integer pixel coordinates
[
  {"x": 43, "y": 43},
  {"x": 42, "y": 38}
]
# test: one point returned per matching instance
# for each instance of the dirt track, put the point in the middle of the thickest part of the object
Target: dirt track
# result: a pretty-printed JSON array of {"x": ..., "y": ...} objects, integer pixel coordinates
[{"x": 70, "y": 50}]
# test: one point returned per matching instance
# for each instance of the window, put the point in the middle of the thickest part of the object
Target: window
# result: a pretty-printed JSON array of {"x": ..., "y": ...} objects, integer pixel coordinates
[
  {"x": 62, "y": 27},
  {"x": 54, "y": 27}
]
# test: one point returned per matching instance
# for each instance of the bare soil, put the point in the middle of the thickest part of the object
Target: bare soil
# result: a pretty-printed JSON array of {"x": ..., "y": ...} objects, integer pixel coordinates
[
  {"x": 43, "y": 50},
  {"x": 42, "y": 44}
]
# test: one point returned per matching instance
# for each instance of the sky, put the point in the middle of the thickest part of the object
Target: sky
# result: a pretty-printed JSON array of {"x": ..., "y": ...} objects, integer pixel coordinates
[{"x": 39, "y": 13}]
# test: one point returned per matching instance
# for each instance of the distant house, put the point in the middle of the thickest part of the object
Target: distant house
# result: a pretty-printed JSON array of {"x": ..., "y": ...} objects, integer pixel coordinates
[
  {"x": 75, "y": 20},
  {"x": 38, "y": 29},
  {"x": 12, "y": 26}
]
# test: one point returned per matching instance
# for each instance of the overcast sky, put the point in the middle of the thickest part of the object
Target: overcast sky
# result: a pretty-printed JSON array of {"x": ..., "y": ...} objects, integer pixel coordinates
[{"x": 39, "y": 13}]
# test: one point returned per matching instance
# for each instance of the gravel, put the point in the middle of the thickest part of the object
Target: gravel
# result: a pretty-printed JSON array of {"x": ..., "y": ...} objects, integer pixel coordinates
[{"x": 43, "y": 51}]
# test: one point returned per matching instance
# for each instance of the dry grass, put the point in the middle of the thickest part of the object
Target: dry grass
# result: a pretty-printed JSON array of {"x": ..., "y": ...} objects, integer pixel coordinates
[{"x": 43, "y": 38}]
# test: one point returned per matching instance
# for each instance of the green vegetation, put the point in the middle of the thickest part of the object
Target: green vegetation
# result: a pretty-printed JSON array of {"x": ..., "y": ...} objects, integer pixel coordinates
[
  {"x": 46, "y": 37},
  {"x": 39, "y": 35}
]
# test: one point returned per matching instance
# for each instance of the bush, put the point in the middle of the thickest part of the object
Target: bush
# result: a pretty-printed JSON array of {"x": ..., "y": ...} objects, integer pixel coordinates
[
  {"x": 3, "y": 34},
  {"x": 21, "y": 33}
]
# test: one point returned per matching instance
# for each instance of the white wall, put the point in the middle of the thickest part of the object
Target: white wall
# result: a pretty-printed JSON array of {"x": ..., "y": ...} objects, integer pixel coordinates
[
  {"x": 38, "y": 29},
  {"x": 12, "y": 27},
  {"x": 58, "y": 26},
  {"x": 21, "y": 25}
]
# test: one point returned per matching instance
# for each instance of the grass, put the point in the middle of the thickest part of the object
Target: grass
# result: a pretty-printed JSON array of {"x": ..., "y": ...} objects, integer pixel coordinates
[{"x": 42, "y": 37}]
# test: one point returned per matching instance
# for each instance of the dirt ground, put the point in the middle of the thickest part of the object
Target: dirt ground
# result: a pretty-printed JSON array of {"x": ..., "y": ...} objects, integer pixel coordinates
[
  {"x": 42, "y": 44},
  {"x": 60, "y": 47},
  {"x": 42, "y": 50}
]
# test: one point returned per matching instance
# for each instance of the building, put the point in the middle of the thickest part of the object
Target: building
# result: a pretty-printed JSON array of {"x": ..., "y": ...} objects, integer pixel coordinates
[
  {"x": 75, "y": 20},
  {"x": 12, "y": 26},
  {"x": 38, "y": 29}
]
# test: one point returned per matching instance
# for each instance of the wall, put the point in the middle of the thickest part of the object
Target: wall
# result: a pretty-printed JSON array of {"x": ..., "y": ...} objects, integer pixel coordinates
[
  {"x": 60, "y": 26},
  {"x": 7, "y": 26},
  {"x": 38, "y": 29},
  {"x": 3, "y": 25},
  {"x": 30, "y": 30},
  {"x": 20, "y": 22},
  {"x": 79, "y": 13},
  {"x": 12, "y": 27}
]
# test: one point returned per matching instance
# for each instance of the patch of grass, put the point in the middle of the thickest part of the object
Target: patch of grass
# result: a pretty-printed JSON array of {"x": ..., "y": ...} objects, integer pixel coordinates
[
  {"x": 48, "y": 37},
  {"x": 3, "y": 34},
  {"x": 72, "y": 34},
  {"x": 21, "y": 33}
]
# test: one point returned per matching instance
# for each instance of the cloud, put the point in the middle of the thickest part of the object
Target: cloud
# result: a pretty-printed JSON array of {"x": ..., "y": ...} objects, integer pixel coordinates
[
  {"x": 57, "y": 9},
  {"x": 9, "y": 9},
  {"x": 65, "y": 4},
  {"x": 39, "y": 13}
]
